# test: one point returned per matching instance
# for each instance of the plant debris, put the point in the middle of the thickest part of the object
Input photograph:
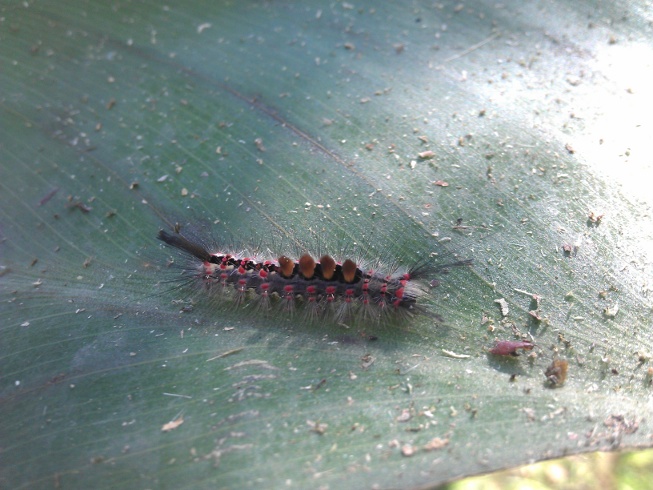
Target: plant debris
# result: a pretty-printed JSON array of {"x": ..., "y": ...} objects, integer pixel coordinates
[{"x": 556, "y": 373}]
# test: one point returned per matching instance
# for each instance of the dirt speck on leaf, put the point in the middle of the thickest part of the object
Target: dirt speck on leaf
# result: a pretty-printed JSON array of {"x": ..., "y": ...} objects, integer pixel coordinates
[{"x": 556, "y": 373}]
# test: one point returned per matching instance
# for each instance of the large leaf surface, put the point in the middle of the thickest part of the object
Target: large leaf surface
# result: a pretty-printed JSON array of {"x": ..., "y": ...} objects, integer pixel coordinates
[{"x": 283, "y": 124}]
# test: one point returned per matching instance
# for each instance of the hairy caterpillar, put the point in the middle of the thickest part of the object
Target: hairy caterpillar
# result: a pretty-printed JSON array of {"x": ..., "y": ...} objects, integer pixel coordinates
[{"x": 325, "y": 289}]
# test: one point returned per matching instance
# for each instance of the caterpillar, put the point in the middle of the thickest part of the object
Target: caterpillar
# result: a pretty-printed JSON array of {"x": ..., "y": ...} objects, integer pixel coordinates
[{"x": 325, "y": 289}]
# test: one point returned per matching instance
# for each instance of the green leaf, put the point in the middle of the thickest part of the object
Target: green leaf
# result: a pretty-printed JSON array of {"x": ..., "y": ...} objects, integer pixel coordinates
[{"x": 288, "y": 125}]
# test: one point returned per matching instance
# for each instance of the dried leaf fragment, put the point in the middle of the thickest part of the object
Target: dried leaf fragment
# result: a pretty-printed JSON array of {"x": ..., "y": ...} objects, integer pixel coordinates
[
  {"x": 407, "y": 450},
  {"x": 173, "y": 424},
  {"x": 405, "y": 416},
  {"x": 436, "y": 443},
  {"x": 503, "y": 305},
  {"x": 611, "y": 312},
  {"x": 594, "y": 218},
  {"x": 556, "y": 373},
  {"x": 317, "y": 427}
]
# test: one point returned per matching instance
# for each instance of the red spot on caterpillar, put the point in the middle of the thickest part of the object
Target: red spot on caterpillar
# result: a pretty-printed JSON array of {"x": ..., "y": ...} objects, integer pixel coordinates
[
  {"x": 224, "y": 262},
  {"x": 510, "y": 347},
  {"x": 330, "y": 293},
  {"x": 289, "y": 296}
]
